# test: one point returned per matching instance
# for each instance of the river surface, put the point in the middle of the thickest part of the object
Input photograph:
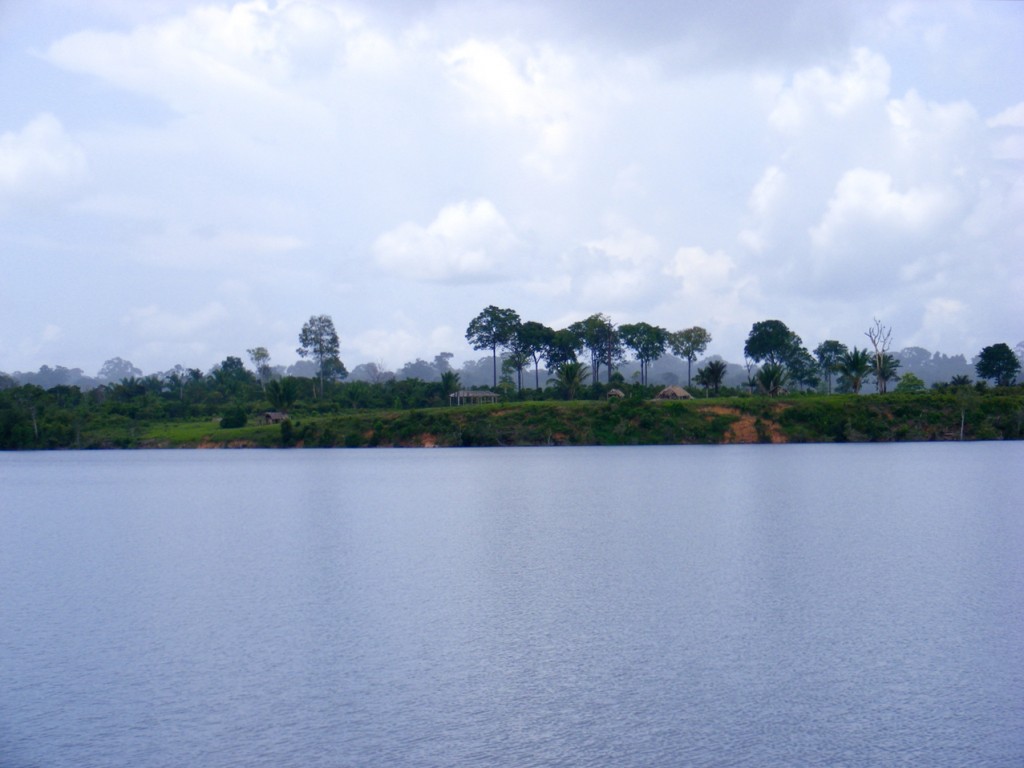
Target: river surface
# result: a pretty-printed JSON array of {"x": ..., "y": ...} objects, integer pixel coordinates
[{"x": 658, "y": 606}]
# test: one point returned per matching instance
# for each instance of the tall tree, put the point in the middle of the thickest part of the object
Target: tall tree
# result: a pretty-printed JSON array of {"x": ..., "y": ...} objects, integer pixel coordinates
[
  {"x": 491, "y": 329},
  {"x": 885, "y": 371},
  {"x": 997, "y": 362},
  {"x": 535, "y": 338},
  {"x": 647, "y": 341},
  {"x": 880, "y": 337},
  {"x": 562, "y": 347},
  {"x": 689, "y": 344},
  {"x": 827, "y": 354},
  {"x": 771, "y": 341},
  {"x": 318, "y": 341},
  {"x": 854, "y": 366},
  {"x": 261, "y": 362},
  {"x": 518, "y": 354},
  {"x": 600, "y": 337}
]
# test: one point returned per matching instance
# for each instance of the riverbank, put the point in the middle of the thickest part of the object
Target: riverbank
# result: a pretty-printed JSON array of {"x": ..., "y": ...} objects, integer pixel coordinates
[{"x": 798, "y": 419}]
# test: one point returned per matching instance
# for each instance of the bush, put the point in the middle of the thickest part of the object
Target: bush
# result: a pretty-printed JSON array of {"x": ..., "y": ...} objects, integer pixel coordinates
[{"x": 234, "y": 418}]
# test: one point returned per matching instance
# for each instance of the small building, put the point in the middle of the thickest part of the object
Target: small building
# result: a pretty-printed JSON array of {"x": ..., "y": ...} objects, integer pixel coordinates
[
  {"x": 272, "y": 417},
  {"x": 472, "y": 397},
  {"x": 674, "y": 392},
  {"x": 615, "y": 394}
]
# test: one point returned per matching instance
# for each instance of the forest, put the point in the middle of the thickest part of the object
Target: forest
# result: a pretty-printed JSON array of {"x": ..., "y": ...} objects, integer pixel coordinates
[{"x": 592, "y": 361}]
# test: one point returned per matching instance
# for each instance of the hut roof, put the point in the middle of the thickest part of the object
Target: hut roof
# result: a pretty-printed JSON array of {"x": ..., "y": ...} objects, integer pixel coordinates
[{"x": 674, "y": 392}]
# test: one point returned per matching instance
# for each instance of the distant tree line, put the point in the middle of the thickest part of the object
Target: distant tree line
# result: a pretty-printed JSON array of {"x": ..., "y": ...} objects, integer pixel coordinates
[{"x": 587, "y": 359}]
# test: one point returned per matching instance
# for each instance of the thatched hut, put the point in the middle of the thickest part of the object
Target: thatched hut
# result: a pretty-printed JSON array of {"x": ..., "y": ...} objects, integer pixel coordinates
[
  {"x": 615, "y": 394},
  {"x": 674, "y": 392}
]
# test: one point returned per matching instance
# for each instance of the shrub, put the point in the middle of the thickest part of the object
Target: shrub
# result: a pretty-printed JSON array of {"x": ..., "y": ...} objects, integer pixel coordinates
[{"x": 234, "y": 418}]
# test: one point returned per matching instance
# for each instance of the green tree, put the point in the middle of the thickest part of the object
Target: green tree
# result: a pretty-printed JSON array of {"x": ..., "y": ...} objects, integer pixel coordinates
[
  {"x": 712, "y": 375},
  {"x": 803, "y": 369},
  {"x": 535, "y": 338},
  {"x": 520, "y": 351},
  {"x": 230, "y": 376},
  {"x": 570, "y": 378},
  {"x": 771, "y": 341},
  {"x": 449, "y": 384},
  {"x": 689, "y": 344},
  {"x": 600, "y": 336},
  {"x": 648, "y": 343},
  {"x": 910, "y": 384},
  {"x": 885, "y": 371},
  {"x": 282, "y": 393},
  {"x": 491, "y": 329},
  {"x": 562, "y": 347},
  {"x": 827, "y": 354},
  {"x": 997, "y": 362},
  {"x": 854, "y": 366},
  {"x": 318, "y": 340},
  {"x": 772, "y": 379}
]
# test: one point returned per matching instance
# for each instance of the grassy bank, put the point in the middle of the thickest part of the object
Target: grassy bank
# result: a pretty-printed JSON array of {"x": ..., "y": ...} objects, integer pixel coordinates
[{"x": 837, "y": 418}]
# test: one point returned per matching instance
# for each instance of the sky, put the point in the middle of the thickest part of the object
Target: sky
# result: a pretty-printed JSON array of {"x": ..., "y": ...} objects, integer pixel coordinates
[{"x": 182, "y": 180}]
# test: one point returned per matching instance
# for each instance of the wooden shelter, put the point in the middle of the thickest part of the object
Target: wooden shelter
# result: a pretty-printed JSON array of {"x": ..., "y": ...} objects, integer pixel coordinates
[
  {"x": 674, "y": 392},
  {"x": 472, "y": 397}
]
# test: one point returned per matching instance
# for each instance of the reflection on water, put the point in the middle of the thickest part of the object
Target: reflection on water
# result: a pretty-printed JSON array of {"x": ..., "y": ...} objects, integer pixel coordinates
[{"x": 746, "y": 605}]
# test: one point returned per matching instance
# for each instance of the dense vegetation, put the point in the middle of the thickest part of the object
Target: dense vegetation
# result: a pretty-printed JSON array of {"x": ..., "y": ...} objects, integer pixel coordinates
[
  {"x": 786, "y": 395},
  {"x": 414, "y": 413}
]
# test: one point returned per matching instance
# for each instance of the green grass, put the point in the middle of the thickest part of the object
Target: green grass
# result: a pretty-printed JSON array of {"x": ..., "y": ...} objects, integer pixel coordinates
[{"x": 801, "y": 418}]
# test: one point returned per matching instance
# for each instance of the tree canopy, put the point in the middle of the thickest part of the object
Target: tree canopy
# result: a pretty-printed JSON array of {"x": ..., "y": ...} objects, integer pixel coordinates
[
  {"x": 997, "y": 362},
  {"x": 318, "y": 340},
  {"x": 494, "y": 327},
  {"x": 771, "y": 341}
]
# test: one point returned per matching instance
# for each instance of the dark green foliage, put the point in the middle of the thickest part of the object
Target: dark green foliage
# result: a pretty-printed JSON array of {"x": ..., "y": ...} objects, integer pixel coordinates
[
  {"x": 772, "y": 342},
  {"x": 998, "y": 363},
  {"x": 234, "y": 418},
  {"x": 494, "y": 327}
]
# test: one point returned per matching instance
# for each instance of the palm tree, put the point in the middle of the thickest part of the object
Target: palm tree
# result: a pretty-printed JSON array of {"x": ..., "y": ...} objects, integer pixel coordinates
[
  {"x": 855, "y": 365},
  {"x": 712, "y": 374},
  {"x": 449, "y": 383},
  {"x": 570, "y": 378},
  {"x": 885, "y": 371},
  {"x": 772, "y": 378},
  {"x": 282, "y": 393}
]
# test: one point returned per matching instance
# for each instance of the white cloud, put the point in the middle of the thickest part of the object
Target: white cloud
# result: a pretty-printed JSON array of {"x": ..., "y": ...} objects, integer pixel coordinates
[
  {"x": 539, "y": 91},
  {"x": 817, "y": 90},
  {"x": 1011, "y": 117},
  {"x": 468, "y": 241},
  {"x": 40, "y": 162},
  {"x": 629, "y": 246},
  {"x": 866, "y": 200}
]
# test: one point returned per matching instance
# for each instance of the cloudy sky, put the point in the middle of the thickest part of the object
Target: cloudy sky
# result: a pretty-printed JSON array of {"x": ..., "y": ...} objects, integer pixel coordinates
[{"x": 182, "y": 180}]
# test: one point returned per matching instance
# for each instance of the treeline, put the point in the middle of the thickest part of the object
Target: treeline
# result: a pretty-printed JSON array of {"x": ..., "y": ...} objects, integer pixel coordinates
[{"x": 529, "y": 361}]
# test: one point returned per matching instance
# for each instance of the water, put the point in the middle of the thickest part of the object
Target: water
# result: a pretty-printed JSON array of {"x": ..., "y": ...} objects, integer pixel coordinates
[{"x": 733, "y": 605}]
